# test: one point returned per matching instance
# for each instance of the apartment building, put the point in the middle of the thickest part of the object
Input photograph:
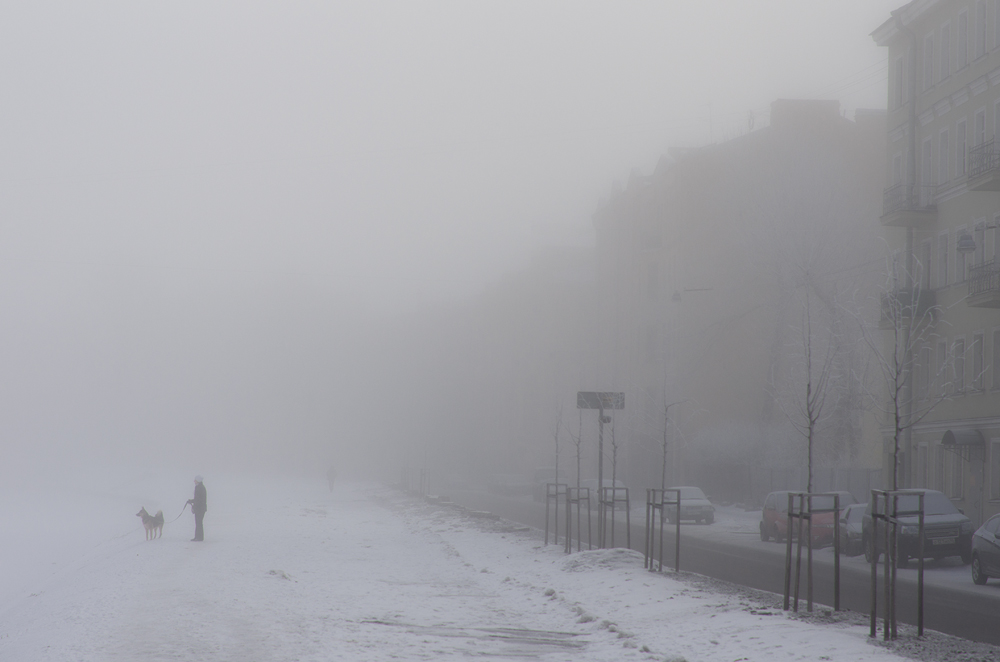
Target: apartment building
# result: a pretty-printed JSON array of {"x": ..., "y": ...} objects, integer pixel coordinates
[
  {"x": 941, "y": 211},
  {"x": 703, "y": 266}
]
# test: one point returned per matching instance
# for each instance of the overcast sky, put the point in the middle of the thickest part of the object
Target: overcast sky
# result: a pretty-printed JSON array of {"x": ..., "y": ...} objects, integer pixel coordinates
[{"x": 392, "y": 152}]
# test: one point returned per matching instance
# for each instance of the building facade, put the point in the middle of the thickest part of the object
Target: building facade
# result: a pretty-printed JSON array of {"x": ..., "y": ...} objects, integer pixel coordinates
[
  {"x": 941, "y": 209},
  {"x": 706, "y": 268}
]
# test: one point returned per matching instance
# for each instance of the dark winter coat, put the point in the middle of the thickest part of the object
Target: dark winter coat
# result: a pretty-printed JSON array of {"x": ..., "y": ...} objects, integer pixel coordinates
[{"x": 200, "y": 504}]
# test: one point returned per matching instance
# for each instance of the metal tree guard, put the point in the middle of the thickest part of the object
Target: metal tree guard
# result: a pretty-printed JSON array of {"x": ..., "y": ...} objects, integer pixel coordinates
[
  {"x": 881, "y": 519},
  {"x": 577, "y": 495},
  {"x": 656, "y": 504}
]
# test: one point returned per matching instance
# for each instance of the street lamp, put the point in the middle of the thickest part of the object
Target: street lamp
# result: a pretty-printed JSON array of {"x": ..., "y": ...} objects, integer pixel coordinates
[{"x": 966, "y": 244}]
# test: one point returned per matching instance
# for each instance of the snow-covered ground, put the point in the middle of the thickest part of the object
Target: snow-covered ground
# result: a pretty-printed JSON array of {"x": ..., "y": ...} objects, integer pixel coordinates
[{"x": 290, "y": 571}]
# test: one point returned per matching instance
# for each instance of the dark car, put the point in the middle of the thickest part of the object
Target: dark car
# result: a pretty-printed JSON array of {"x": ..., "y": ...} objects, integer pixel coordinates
[
  {"x": 851, "y": 529},
  {"x": 947, "y": 532},
  {"x": 986, "y": 551},
  {"x": 774, "y": 517}
]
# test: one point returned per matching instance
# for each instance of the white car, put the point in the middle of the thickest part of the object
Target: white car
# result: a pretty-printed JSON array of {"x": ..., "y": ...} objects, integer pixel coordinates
[{"x": 694, "y": 506}]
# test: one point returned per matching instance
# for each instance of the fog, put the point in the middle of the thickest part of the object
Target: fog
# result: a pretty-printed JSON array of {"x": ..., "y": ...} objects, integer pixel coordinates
[{"x": 243, "y": 235}]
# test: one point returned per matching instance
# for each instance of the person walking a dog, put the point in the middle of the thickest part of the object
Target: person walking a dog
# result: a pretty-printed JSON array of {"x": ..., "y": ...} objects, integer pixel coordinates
[{"x": 199, "y": 506}]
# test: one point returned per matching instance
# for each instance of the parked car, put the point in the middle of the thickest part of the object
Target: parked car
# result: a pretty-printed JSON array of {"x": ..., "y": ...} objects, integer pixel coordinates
[
  {"x": 851, "y": 520},
  {"x": 947, "y": 532},
  {"x": 986, "y": 551},
  {"x": 694, "y": 506},
  {"x": 774, "y": 517}
]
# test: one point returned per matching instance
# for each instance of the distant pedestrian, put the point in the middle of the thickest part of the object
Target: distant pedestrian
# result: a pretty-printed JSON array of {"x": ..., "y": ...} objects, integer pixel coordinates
[
  {"x": 199, "y": 506},
  {"x": 331, "y": 475}
]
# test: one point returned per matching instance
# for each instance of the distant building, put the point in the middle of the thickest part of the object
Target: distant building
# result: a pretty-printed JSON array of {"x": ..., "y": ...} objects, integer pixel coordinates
[
  {"x": 941, "y": 212},
  {"x": 703, "y": 267}
]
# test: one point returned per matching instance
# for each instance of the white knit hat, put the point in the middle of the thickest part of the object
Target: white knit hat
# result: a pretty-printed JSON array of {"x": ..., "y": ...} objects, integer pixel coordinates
[{"x": 197, "y": 479}]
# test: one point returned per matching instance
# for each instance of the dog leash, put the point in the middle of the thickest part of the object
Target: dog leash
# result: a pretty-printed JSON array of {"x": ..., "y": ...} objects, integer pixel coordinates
[{"x": 179, "y": 516}]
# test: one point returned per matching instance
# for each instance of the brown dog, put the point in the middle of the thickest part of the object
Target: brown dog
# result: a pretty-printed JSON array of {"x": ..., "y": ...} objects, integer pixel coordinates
[{"x": 153, "y": 523}]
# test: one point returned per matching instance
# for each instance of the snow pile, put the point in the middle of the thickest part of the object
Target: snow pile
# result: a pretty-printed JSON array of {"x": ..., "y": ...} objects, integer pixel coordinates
[{"x": 290, "y": 571}]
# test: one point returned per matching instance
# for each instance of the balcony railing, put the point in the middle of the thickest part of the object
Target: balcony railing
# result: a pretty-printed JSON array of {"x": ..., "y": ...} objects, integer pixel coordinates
[
  {"x": 904, "y": 304},
  {"x": 907, "y": 197},
  {"x": 983, "y": 159},
  {"x": 984, "y": 285}
]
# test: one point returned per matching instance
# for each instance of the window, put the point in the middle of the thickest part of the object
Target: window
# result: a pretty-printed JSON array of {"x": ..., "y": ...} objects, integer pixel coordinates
[
  {"x": 926, "y": 173},
  {"x": 960, "y": 149},
  {"x": 979, "y": 235},
  {"x": 939, "y": 469},
  {"x": 942, "y": 269},
  {"x": 946, "y": 50},
  {"x": 925, "y": 265},
  {"x": 980, "y": 28},
  {"x": 977, "y": 362},
  {"x": 980, "y": 127},
  {"x": 996, "y": 24},
  {"x": 943, "y": 152},
  {"x": 996, "y": 116},
  {"x": 897, "y": 88},
  {"x": 995, "y": 469},
  {"x": 897, "y": 169},
  {"x": 921, "y": 477},
  {"x": 963, "y": 39},
  {"x": 996, "y": 238},
  {"x": 995, "y": 357},
  {"x": 959, "y": 371},
  {"x": 928, "y": 62},
  {"x": 959, "y": 257},
  {"x": 942, "y": 363},
  {"x": 924, "y": 385},
  {"x": 956, "y": 476}
]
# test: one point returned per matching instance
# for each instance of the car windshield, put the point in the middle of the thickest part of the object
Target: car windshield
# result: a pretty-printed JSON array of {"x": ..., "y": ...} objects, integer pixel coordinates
[
  {"x": 855, "y": 515},
  {"x": 826, "y": 502},
  {"x": 692, "y": 493},
  {"x": 935, "y": 503}
]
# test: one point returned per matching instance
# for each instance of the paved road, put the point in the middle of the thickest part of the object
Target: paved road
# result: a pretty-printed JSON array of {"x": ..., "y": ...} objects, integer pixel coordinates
[{"x": 953, "y": 604}]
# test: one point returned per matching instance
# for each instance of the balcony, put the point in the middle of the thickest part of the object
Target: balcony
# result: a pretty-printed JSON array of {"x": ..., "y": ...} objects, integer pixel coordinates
[
  {"x": 984, "y": 285},
  {"x": 908, "y": 206},
  {"x": 905, "y": 304},
  {"x": 984, "y": 167}
]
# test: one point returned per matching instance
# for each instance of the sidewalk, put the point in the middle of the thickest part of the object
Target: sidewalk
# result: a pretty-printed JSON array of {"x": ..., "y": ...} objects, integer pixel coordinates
[{"x": 289, "y": 571}]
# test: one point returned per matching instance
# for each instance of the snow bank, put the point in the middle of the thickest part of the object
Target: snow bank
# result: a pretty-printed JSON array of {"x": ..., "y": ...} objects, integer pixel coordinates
[{"x": 290, "y": 571}]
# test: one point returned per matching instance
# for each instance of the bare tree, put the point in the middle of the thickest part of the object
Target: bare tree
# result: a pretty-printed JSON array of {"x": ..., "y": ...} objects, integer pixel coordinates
[
  {"x": 555, "y": 440},
  {"x": 907, "y": 317},
  {"x": 578, "y": 442},
  {"x": 809, "y": 409},
  {"x": 614, "y": 453},
  {"x": 666, "y": 420}
]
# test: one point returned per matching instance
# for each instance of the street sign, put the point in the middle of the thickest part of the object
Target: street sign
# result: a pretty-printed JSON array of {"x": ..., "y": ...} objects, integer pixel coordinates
[{"x": 599, "y": 400}]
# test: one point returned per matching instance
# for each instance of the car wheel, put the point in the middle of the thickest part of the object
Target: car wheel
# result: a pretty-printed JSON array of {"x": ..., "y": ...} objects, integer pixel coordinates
[
  {"x": 902, "y": 560},
  {"x": 871, "y": 556},
  {"x": 709, "y": 519},
  {"x": 978, "y": 576}
]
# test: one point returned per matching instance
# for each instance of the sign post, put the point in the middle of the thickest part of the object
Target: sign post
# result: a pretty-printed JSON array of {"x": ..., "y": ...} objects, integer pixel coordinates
[{"x": 600, "y": 400}]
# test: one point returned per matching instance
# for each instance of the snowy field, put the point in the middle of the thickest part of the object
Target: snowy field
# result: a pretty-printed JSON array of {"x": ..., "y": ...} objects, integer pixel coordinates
[{"x": 290, "y": 571}]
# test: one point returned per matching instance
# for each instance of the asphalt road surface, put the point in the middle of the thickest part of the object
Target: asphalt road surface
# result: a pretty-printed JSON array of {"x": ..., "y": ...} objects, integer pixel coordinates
[{"x": 952, "y": 603}]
